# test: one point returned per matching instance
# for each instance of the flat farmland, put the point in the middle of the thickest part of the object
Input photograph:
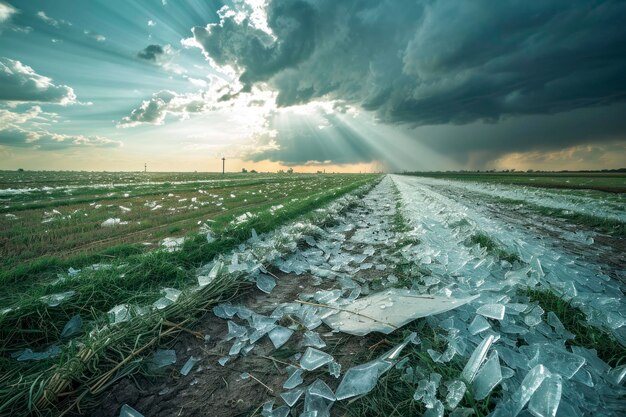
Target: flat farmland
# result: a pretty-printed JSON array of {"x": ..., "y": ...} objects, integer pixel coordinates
[{"x": 79, "y": 215}]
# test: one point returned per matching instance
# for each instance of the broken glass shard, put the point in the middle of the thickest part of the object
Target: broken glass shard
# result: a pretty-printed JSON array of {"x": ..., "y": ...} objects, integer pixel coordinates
[
  {"x": 128, "y": 411},
  {"x": 545, "y": 401},
  {"x": 492, "y": 311},
  {"x": 235, "y": 330},
  {"x": 73, "y": 327},
  {"x": 388, "y": 310},
  {"x": 456, "y": 391},
  {"x": 616, "y": 375},
  {"x": 334, "y": 369},
  {"x": 313, "y": 339},
  {"x": 294, "y": 379},
  {"x": 163, "y": 357},
  {"x": 54, "y": 300},
  {"x": 530, "y": 383},
  {"x": 488, "y": 377},
  {"x": 282, "y": 411},
  {"x": 188, "y": 365},
  {"x": 477, "y": 358},
  {"x": 265, "y": 283},
  {"x": 557, "y": 359},
  {"x": 236, "y": 347},
  {"x": 320, "y": 389},
  {"x": 119, "y": 314},
  {"x": 435, "y": 411},
  {"x": 279, "y": 335},
  {"x": 292, "y": 397},
  {"x": 362, "y": 379},
  {"x": 479, "y": 324},
  {"x": 313, "y": 359}
]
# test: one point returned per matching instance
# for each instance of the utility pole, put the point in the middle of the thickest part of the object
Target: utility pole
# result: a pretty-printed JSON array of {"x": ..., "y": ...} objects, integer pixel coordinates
[
  {"x": 145, "y": 167},
  {"x": 223, "y": 165}
]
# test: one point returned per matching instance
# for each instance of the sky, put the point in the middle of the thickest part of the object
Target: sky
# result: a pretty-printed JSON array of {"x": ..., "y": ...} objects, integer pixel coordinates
[{"x": 350, "y": 85}]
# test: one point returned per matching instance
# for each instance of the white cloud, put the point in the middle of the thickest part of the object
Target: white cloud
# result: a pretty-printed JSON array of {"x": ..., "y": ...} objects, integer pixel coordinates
[
  {"x": 6, "y": 12},
  {"x": 20, "y": 83},
  {"x": 95, "y": 36},
  {"x": 16, "y": 136}
]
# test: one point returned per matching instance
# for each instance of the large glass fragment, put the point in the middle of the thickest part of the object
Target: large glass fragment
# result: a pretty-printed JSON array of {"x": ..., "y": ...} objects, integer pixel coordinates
[
  {"x": 477, "y": 358},
  {"x": 488, "y": 377},
  {"x": 545, "y": 401},
  {"x": 479, "y": 324},
  {"x": 119, "y": 314},
  {"x": 361, "y": 379},
  {"x": 389, "y": 310},
  {"x": 235, "y": 330},
  {"x": 556, "y": 359},
  {"x": 29, "y": 355}
]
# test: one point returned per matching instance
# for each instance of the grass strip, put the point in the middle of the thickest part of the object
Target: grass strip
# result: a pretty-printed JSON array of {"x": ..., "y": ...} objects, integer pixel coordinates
[{"x": 493, "y": 248}]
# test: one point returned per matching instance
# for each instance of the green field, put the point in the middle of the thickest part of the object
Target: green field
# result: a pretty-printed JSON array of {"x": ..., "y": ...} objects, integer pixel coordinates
[
  {"x": 601, "y": 181},
  {"x": 48, "y": 227}
]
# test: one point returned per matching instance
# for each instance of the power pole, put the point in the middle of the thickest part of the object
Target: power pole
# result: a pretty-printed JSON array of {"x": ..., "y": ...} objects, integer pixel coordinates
[
  {"x": 145, "y": 167},
  {"x": 223, "y": 165}
]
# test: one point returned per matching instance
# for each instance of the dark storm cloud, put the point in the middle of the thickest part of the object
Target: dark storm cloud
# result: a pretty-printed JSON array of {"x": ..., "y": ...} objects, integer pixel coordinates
[
  {"x": 151, "y": 53},
  {"x": 433, "y": 61}
]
